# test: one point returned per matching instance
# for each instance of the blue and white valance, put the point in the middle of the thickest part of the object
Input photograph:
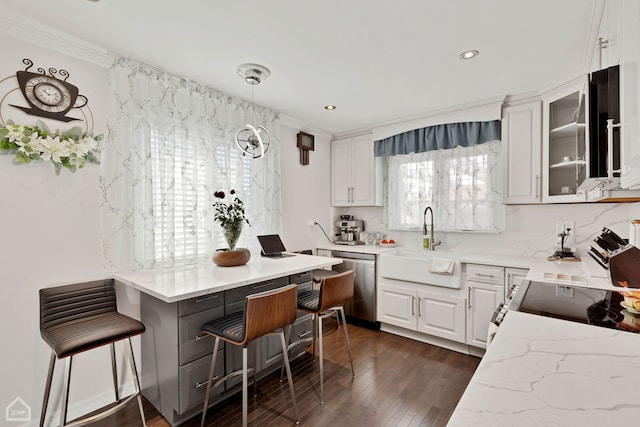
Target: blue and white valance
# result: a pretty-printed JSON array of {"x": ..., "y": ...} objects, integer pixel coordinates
[{"x": 438, "y": 137}]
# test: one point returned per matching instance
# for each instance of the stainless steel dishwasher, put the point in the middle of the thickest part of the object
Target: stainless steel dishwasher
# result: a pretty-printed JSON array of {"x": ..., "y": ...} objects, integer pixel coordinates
[{"x": 362, "y": 309}]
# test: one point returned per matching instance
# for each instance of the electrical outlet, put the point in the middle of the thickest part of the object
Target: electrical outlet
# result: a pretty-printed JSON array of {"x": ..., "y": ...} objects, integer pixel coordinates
[
  {"x": 564, "y": 291},
  {"x": 566, "y": 226}
]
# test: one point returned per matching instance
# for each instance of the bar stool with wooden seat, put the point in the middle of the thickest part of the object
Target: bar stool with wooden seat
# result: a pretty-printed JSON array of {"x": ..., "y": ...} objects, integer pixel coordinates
[
  {"x": 327, "y": 302},
  {"x": 264, "y": 313},
  {"x": 80, "y": 317}
]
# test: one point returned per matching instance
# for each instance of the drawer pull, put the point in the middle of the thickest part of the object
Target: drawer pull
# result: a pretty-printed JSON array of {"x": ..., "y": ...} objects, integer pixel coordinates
[
  {"x": 200, "y": 385},
  {"x": 304, "y": 334},
  {"x": 263, "y": 285},
  {"x": 485, "y": 275},
  {"x": 201, "y": 337},
  {"x": 207, "y": 298}
]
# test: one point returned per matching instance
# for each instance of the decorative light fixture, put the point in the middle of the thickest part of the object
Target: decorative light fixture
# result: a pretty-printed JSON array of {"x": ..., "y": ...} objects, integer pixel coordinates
[
  {"x": 253, "y": 141},
  {"x": 468, "y": 54},
  {"x": 329, "y": 107}
]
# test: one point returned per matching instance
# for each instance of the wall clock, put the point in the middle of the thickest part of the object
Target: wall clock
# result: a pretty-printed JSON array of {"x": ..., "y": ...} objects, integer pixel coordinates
[{"x": 47, "y": 95}]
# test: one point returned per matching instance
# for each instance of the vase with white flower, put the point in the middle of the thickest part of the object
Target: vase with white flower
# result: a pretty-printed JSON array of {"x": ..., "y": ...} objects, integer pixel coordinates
[{"x": 231, "y": 217}]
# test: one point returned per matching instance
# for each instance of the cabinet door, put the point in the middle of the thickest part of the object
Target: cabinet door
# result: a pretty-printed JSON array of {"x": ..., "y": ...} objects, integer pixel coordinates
[
  {"x": 363, "y": 183},
  {"x": 564, "y": 144},
  {"x": 341, "y": 173},
  {"x": 630, "y": 95},
  {"x": 483, "y": 299},
  {"x": 442, "y": 316},
  {"x": 522, "y": 153},
  {"x": 513, "y": 276},
  {"x": 397, "y": 306}
]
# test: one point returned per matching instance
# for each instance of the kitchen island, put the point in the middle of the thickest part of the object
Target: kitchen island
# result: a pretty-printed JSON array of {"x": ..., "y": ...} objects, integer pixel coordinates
[
  {"x": 174, "y": 304},
  {"x": 544, "y": 371}
]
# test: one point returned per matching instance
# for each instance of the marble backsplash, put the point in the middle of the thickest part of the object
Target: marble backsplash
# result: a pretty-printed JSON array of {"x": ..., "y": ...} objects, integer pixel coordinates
[{"x": 530, "y": 230}]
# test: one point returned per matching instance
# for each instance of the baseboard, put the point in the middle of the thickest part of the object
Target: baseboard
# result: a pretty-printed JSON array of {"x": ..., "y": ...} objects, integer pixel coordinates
[
  {"x": 430, "y": 339},
  {"x": 82, "y": 407}
]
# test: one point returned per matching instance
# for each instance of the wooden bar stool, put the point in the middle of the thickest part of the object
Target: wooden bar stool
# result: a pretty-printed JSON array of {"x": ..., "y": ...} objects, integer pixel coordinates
[
  {"x": 80, "y": 317},
  {"x": 327, "y": 302},
  {"x": 264, "y": 313}
]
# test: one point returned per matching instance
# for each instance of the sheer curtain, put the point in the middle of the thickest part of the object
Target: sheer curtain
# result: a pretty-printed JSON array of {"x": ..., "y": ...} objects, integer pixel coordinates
[
  {"x": 463, "y": 185},
  {"x": 169, "y": 148}
]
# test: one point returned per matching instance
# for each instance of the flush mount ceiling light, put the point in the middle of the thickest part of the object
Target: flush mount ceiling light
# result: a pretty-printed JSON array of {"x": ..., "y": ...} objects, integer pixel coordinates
[
  {"x": 329, "y": 107},
  {"x": 468, "y": 54},
  {"x": 253, "y": 141}
]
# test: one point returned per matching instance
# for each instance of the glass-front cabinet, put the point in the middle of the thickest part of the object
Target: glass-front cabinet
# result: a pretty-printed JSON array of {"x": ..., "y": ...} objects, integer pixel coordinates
[{"x": 565, "y": 135}]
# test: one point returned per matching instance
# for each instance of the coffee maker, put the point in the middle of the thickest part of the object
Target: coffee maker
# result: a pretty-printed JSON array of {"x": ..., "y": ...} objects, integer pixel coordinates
[{"x": 349, "y": 231}]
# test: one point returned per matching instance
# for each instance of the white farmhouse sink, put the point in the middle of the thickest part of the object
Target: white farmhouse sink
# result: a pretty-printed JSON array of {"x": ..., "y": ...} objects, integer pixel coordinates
[{"x": 413, "y": 266}]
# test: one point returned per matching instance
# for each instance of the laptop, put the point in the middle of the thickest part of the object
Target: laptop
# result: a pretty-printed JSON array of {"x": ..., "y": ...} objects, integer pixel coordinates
[{"x": 272, "y": 246}]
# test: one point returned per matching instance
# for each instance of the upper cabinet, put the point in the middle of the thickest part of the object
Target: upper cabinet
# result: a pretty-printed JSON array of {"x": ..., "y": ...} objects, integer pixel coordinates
[
  {"x": 564, "y": 144},
  {"x": 630, "y": 95},
  {"x": 522, "y": 153},
  {"x": 608, "y": 44},
  {"x": 356, "y": 175}
]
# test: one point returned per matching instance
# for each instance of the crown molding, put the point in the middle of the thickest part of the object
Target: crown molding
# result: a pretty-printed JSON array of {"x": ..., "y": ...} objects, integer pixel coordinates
[
  {"x": 28, "y": 30},
  {"x": 351, "y": 133},
  {"x": 295, "y": 123}
]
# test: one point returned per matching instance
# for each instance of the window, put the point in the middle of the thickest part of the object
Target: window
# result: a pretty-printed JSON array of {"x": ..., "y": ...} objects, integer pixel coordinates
[
  {"x": 462, "y": 185},
  {"x": 184, "y": 174}
]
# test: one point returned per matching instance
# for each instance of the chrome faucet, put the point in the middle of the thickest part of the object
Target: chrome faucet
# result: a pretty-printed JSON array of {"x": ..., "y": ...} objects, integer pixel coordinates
[{"x": 425, "y": 229}]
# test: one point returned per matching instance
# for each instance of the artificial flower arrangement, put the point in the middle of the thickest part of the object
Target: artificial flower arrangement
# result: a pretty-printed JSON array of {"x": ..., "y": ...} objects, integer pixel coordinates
[
  {"x": 65, "y": 149},
  {"x": 231, "y": 216}
]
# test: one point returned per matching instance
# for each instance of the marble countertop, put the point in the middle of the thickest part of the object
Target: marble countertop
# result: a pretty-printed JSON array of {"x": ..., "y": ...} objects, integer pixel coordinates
[
  {"x": 180, "y": 282},
  {"x": 585, "y": 272},
  {"x": 548, "y": 372}
]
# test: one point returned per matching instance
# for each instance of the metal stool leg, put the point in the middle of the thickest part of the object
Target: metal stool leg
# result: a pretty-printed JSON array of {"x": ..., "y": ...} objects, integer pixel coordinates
[
  {"x": 346, "y": 337},
  {"x": 314, "y": 321},
  {"x": 114, "y": 371},
  {"x": 136, "y": 382},
  {"x": 287, "y": 339},
  {"x": 255, "y": 368},
  {"x": 289, "y": 378},
  {"x": 321, "y": 356},
  {"x": 212, "y": 370},
  {"x": 66, "y": 379},
  {"x": 47, "y": 389},
  {"x": 244, "y": 387}
]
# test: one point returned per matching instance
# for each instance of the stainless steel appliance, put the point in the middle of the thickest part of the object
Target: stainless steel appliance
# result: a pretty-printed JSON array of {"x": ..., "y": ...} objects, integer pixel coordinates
[
  {"x": 362, "y": 309},
  {"x": 349, "y": 232},
  {"x": 573, "y": 303}
]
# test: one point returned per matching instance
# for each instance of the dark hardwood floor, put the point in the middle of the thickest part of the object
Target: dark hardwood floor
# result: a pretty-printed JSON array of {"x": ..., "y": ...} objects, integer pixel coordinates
[{"x": 398, "y": 382}]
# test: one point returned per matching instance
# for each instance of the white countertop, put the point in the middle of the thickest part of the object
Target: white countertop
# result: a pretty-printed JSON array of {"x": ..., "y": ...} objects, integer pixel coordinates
[
  {"x": 548, "y": 372},
  {"x": 363, "y": 249},
  {"x": 180, "y": 282}
]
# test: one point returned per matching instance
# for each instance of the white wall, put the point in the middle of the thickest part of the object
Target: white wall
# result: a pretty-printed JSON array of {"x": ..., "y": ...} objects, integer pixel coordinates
[
  {"x": 305, "y": 189},
  {"x": 50, "y": 235}
]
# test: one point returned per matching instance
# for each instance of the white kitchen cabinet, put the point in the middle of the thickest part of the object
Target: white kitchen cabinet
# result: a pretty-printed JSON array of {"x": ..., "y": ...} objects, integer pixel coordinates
[
  {"x": 441, "y": 315},
  {"x": 522, "y": 153},
  {"x": 630, "y": 95},
  {"x": 607, "y": 50},
  {"x": 513, "y": 277},
  {"x": 356, "y": 175},
  {"x": 565, "y": 136},
  {"x": 409, "y": 307},
  {"x": 485, "y": 291}
]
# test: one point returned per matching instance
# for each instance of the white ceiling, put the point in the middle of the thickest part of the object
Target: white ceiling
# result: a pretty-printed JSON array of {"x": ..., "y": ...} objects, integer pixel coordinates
[{"x": 376, "y": 60}]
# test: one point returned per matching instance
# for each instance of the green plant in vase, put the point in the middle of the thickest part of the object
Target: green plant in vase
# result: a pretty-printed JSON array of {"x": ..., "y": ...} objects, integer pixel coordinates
[{"x": 230, "y": 216}]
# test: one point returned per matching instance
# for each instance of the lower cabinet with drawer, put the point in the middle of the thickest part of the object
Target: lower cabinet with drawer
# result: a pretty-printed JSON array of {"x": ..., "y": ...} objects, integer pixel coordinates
[
  {"x": 176, "y": 357},
  {"x": 485, "y": 291}
]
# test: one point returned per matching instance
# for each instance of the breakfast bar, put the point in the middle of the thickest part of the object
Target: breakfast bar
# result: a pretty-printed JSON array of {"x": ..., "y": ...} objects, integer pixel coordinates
[{"x": 174, "y": 304}]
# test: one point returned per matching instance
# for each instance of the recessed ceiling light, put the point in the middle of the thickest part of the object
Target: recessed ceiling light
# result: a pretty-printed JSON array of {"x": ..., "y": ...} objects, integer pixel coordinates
[
  {"x": 468, "y": 54},
  {"x": 329, "y": 107}
]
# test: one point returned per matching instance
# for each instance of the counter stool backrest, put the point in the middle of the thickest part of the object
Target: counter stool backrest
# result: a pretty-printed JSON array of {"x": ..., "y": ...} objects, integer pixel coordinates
[
  {"x": 63, "y": 304},
  {"x": 336, "y": 290},
  {"x": 268, "y": 311}
]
